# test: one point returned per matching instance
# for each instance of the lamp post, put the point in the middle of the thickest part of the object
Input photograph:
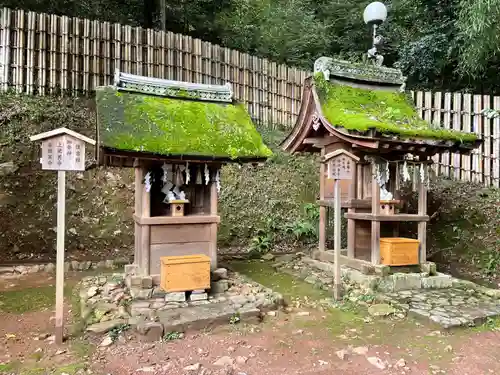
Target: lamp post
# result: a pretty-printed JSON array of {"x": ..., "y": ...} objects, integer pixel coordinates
[{"x": 374, "y": 15}]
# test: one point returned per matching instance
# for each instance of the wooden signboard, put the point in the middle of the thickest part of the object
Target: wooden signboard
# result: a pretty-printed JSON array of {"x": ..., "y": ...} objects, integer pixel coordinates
[
  {"x": 341, "y": 166},
  {"x": 62, "y": 150}
]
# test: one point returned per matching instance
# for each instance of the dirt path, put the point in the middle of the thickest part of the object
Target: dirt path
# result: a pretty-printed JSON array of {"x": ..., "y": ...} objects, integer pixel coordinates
[{"x": 304, "y": 341}]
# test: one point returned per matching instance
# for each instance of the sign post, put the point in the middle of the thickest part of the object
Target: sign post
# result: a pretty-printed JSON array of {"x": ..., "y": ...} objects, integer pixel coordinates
[
  {"x": 341, "y": 166},
  {"x": 62, "y": 150}
]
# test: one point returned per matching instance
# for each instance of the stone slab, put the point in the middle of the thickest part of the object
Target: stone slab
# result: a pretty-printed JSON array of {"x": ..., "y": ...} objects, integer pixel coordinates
[
  {"x": 452, "y": 307},
  {"x": 204, "y": 316}
]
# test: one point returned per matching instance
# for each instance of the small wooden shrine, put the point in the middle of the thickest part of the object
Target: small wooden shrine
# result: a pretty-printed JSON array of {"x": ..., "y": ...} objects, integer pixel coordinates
[
  {"x": 176, "y": 135},
  {"x": 359, "y": 119}
]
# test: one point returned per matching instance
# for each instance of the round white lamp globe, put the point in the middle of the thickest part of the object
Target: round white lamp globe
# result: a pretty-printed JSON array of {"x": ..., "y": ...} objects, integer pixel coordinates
[{"x": 375, "y": 13}]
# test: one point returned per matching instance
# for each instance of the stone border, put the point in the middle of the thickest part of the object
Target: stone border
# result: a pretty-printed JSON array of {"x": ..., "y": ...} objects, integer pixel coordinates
[{"x": 18, "y": 270}]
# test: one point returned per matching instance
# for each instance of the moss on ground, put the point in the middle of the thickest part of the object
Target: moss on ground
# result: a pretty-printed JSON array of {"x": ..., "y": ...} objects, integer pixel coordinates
[
  {"x": 390, "y": 113},
  {"x": 167, "y": 126}
]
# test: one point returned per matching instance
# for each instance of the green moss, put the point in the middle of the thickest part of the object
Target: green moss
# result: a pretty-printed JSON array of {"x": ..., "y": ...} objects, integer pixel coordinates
[
  {"x": 167, "y": 126},
  {"x": 390, "y": 113}
]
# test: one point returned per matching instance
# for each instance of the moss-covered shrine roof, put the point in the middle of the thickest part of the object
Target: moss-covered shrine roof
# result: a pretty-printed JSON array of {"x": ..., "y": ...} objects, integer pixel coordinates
[
  {"x": 389, "y": 113},
  {"x": 176, "y": 126}
]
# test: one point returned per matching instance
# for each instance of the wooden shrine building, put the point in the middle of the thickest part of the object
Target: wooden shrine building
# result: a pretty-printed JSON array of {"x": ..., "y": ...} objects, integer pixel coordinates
[
  {"x": 176, "y": 135},
  {"x": 358, "y": 114}
]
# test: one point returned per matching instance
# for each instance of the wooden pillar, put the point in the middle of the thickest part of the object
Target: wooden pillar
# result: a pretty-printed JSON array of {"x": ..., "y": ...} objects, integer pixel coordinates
[
  {"x": 375, "y": 235},
  {"x": 213, "y": 227},
  {"x": 351, "y": 224},
  {"x": 422, "y": 225},
  {"x": 138, "y": 210},
  {"x": 322, "y": 209},
  {"x": 145, "y": 230}
]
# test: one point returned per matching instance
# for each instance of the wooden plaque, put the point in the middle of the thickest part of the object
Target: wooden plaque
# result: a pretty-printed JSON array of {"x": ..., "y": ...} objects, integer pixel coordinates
[
  {"x": 63, "y": 153},
  {"x": 341, "y": 167}
]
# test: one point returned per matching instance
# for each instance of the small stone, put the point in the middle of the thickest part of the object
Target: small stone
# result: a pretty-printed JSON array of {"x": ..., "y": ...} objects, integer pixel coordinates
[
  {"x": 224, "y": 361},
  {"x": 241, "y": 360},
  {"x": 377, "y": 362},
  {"x": 175, "y": 297},
  {"x": 92, "y": 291},
  {"x": 268, "y": 256},
  {"x": 298, "y": 332},
  {"x": 147, "y": 282},
  {"x": 198, "y": 297},
  {"x": 272, "y": 313},
  {"x": 219, "y": 274},
  {"x": 218, "y": 287},
  {"x": 194, "y": 367},
  {"x": 303, "y": 313},
  {"x": 342, "y": 354},
  {"x": 360, "y": 350},
  {"x": 152, "y": 331},
  {"x": 146, "y": 369},
  {"x": 104, "y": 327},
  {"x": 448, "y": 349},
  {"x": 50, "y": 267},
  {"x": 381, "y": 309},
  {"x": 107, "y": 341},
  {"x": 322, "y": 363},
  {"x": 401, "y": 363}
]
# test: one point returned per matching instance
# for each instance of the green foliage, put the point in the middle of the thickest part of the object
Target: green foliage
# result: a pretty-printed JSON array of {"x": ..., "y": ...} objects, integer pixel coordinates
[
  {"x": 167, "y": 126},
  {"x": 384, "y": 111},
  {"x": 264, "y": 201},
  {"x": 235, "y": 318},
  {"x": 172, "y": 336},
  {"x": 115, "y": 332}
]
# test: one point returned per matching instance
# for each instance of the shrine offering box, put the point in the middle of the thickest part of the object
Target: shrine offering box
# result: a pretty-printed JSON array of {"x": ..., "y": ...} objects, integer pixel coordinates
[
  {"x": 399, "y": 251},
  {"x": 185, "y": 273}
]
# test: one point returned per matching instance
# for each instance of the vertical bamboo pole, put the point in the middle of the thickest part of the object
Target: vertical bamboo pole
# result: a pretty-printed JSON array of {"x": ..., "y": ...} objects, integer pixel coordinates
[
  {"x": 436, "y": 121},
  {"x": 477, "y": 127},
  {"x": 5, "y": 48},
  {"x": 145, "y": 229},
  {"x": 95, "y": 40},
  {"x": 487, "y": 127},
  {"x": 466, "y": 123},
  {"x": 457, "y": 111},
  {"x": 446, "y": 157},
  {"x": 30, "y": 53},
  {"x": 64, "y": 47},
  {"x": 496, "y": 145},
  {"x": 76, "y": 55},
  {"x": 86, "y": 56}
]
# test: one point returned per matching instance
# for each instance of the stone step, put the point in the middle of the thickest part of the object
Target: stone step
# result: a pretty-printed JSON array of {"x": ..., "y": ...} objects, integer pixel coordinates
[{"x": 197, "y": 318}]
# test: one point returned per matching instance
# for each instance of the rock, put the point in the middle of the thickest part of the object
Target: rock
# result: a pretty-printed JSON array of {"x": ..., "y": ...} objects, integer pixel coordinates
[
  {"x": 152, "y": 331},
  {"x": 146, "y": 369},
  {"x": 241, "y": 360},
  {"x": 224, "y": 361},
  {"x": 268, "y": 256},
  {"x": 218, "y": 287},
  {"x": 7, "y": 168},
  {"x": 342, "y": 354},
  {"x": 448, "y": 349},
  {"x": 377, "y": 362},
  {"x": 238, "y": 300},
  {"x": 104, "y": 327},
  {"x": 322, "y": 363},
  {"x": 401, "y": 363},
  {"x": 381, "y": 309},
  {"x": 198, "y": 297},
  {"x": 194, "y": 367},
  {"x": 303, "y": 313},
  {"x": 219, "y": 274},
  {"x": 298, "y": 332},
  {"x": 50, "y": 267},
  {"x": 147, "y": 282},
  {"x": 360, "y": 350},
  {"x": 107, "y": 341},
  {"x": 92, "y": 291},
  {"x": 272, "y": 313},
  {"x": 175, "y": 297}
]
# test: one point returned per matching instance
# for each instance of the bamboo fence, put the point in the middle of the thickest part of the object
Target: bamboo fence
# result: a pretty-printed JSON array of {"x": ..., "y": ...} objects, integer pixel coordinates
[{"x": 42, "y": 54}]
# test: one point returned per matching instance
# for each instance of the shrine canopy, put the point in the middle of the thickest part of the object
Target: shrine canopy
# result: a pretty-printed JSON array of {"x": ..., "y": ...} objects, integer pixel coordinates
[
  {"x": 149, "y": 118},
  {"x": 366, "y": 106}
]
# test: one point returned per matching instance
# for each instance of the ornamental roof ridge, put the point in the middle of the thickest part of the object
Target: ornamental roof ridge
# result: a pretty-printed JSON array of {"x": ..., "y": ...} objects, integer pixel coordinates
[
  {"x": 175, "y": 89},
  {"x": 358, "y": 71}
]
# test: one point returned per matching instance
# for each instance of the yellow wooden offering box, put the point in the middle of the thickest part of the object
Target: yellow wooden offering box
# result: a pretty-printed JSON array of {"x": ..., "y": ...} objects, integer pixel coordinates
[
  {"x": 397, "y": 251},
  {"x": 184, "y": 273}
]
